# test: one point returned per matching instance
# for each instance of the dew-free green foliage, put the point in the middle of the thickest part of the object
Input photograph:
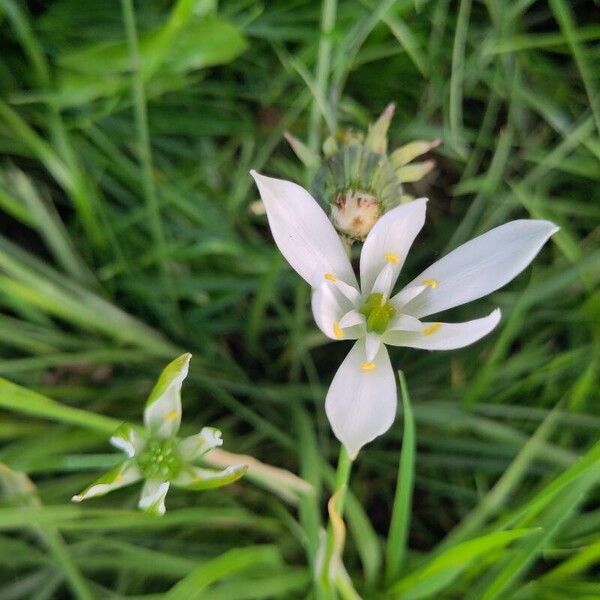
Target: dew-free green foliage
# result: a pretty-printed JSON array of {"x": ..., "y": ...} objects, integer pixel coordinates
[{"x": 127, "y": 236}]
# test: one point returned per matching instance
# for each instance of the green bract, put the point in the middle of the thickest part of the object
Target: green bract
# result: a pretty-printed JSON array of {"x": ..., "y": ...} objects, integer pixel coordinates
[
  {"x": 358, "y": 179},
  {"x": 157, "y": 455}
]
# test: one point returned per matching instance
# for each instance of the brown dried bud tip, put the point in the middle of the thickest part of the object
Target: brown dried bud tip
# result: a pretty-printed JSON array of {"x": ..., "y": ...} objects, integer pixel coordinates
[{"x": 354, "y": 212}]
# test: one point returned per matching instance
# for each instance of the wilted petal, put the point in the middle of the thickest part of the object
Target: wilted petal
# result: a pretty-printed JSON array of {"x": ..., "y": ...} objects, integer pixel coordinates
[
  {"x": 444, "y": 336},
  {"x": 193, "y": 447},
  {"x": 303, "y": 233},
  {"x": 376, "y": 139},
  {"x": 480, "y": 266},
  {"x": 403, "y": 155},
  {"x": 122, "y": 475},
  {"x": 126, "y": 438},
  {"x": 390, "y": 240},
  {"x": 414, "y": 172},
  {"x": 361, "y": 402},
  {"x": 197, "y": 478},
  {"x": 162, "y": 415},
  {"x": 152, "y": 499}
]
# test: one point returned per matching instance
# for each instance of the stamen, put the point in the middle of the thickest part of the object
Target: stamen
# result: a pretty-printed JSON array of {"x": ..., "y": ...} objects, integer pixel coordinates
[
  {"x": 330, "y": 277},
  {"x": 171, "y": 416},
  {"x": 338, "y": 331},
  {"x": 431, "y": 328},
  {"x": 432, "y": 283},
  {"x": 367, "y": 366},
  {"x": 392, "y": 258}
]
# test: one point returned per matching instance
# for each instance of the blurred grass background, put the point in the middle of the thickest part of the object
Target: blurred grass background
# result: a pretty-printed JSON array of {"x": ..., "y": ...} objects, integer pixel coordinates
[{"x": 127, "y": 131}]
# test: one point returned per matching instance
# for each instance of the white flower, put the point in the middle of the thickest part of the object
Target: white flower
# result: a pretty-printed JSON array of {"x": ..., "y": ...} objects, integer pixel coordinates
[
  {"x": 157, "y": 454},
  {"x": 361, "y": 401}
]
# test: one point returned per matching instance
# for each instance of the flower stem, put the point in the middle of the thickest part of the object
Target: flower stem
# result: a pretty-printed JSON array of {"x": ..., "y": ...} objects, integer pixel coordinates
[
  {"x": 342, "y": 476},
  {"x": 328, "y": 16},
  {"x": 399, "y": 526}
]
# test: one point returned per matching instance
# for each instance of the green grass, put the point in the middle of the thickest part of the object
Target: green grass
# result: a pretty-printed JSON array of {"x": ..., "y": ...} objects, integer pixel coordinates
[{"x": 127, "y": 130}]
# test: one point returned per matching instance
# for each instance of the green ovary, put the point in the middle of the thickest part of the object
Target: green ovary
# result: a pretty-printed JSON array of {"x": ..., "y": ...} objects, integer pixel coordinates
[
  {"x": 378, "y": 312},
  {"x": 160, "y": 460}
]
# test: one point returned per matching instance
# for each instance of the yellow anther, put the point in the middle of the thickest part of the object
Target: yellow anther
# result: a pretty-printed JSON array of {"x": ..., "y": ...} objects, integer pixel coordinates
[
  {"x": 171, "y": 416},
  {"x": 392, "y": 258},
  {"x": 337, "y": 330},
  {"x": 367, "y": 366},
  {"x": 118, "y": 478},
  {"x": 431, "y": 328},
  {"x": 330, "y": 277},
  {"x": 432, "y": 283}
]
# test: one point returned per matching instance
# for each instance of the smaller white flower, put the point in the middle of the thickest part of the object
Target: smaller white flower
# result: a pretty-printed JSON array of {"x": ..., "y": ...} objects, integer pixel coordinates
[
  {"x": 361, "y": 401},
  {"x": 158, "y": 455}
]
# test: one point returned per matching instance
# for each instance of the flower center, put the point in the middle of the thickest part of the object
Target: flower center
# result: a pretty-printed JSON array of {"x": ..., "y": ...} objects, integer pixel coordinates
[
  {"x": 379, "y": 313},
  {"x": 160, "y": 460}
]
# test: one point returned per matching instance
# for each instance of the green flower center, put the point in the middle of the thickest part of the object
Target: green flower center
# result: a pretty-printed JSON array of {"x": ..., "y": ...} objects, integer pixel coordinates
[
  {"x": 160, "y": 459},
  {"x": 378, "y": 312}
]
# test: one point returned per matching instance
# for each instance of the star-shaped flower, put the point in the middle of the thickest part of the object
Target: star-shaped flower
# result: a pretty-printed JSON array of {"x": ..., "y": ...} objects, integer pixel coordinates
[
  {"x": 361, "y": 401},
  {"x": 157, "y": 454}
]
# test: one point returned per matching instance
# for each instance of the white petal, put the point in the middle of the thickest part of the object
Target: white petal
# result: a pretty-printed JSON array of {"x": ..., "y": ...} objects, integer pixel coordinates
[
  {"x": 162, "y": 415},
  {"x": 406, "y": 295},
  {"x": 153, "y": 495},
  {"x": 197, "y": 478},
  {"x": 328, "y": 308},
  {"x": 302, "y": 231},
  {"x": 372, "y": 345},
  {"x": 352, "y": 318},
  {"x": 122, "y": 475},
  {"x": 390, "y": 240},
  {"x": 402, "y": 322},
  {"x": 480, "y": 266},
  {"x": 385, "y": 281},
  {"x": 361, "y": 402},
  {"x": 348, "y": 291},
  {"x": 193, "y": 447},
  {"x": 126, "y": 438},
  {"x": 444, "y": 336}
]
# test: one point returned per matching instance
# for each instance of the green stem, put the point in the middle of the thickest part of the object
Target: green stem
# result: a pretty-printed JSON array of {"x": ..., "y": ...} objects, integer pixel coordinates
[
  {"x": 144, "y": 147},
  {"x": 342, "y": 476},
  {"x": 399, "y": 526},
  {"x": 328, "y": 16},
  {"x": 16, "y": 398},
  {"x": 60, "y": 551}
]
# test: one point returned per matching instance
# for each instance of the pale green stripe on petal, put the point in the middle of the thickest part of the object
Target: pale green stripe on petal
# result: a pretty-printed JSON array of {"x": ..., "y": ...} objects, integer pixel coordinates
[
  {"x": 195, "y": 446},
  {"x": 122, "y": 475},
  {"x": 162, "y": 415},
  {"x": 127, "y": 439},
  {"x": 152, "y": 499},
  {"x": 198, "y": 478}
]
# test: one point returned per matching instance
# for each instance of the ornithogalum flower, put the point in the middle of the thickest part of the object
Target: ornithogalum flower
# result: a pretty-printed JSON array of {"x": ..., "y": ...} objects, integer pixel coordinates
[
  {"x": 157, "y": 455},
  {"x": 361, "y": 401}
]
